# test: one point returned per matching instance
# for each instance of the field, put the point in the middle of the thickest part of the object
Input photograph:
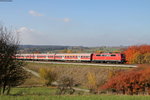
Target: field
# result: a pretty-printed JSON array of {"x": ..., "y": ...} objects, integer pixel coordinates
[
  {"x": 34, "y": 89},
  {"x": 77, "y": 72},
  {"x": 44, "y": 93}
]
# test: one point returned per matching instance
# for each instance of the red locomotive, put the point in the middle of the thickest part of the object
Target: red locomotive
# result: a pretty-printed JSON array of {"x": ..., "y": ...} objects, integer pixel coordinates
[
  {"x": 108, "y": 57},
  {"x": 90, "y": 57}
]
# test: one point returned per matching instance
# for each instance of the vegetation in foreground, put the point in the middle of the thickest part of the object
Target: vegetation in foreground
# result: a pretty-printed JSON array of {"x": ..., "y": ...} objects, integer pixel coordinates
[
  {"x": 45, "y": 93},
  {"x": 12, "y": 73},
  {"x": 134, "y": 81}
]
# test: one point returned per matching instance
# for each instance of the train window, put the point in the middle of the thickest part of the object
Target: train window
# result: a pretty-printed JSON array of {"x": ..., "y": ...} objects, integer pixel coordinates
[
  {"x": 122, "y": 55},
  {"x": 113, "y": 55},
  {"x": 50, "y": 56},
  {"x": 41, "y": 56},
  {"x": 98, "y": 55}
]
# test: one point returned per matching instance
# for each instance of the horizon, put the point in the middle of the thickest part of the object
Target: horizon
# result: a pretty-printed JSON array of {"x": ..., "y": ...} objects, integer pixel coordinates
[
  {"x": 88, "y": 23},
  {"x": 80, "y": 46}
]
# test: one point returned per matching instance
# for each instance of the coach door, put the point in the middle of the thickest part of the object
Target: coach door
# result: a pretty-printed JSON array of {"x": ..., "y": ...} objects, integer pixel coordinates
[
  {"x": 79, "y": 57},
  {"x": 63, "y": 57}
]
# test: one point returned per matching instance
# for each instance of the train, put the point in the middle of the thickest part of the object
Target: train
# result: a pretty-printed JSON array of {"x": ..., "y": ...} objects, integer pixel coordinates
[{"x": 82, "y": 57}]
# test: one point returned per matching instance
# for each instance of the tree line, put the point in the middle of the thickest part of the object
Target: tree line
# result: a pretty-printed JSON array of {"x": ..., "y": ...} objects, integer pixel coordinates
[{"x": 138, "y": 54}]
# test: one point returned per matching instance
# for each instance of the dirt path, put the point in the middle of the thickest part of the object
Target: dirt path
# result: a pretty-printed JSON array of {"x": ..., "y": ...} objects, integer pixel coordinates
[{"x": 32, "y": 72}]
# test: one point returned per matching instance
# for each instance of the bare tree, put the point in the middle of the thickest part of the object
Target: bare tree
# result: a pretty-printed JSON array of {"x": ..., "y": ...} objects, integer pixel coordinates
[
  {"x": 65, "y": 86},
  {"x": 11, "y": 71}
]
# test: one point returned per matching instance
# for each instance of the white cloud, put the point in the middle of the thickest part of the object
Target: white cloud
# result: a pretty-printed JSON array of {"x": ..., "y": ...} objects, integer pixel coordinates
[
  {"x": 28, "y": 36},
  {"x": 24, "y": 30},
  {"x": 66, "y": 20},
  {"x": 34, "y": 13}
]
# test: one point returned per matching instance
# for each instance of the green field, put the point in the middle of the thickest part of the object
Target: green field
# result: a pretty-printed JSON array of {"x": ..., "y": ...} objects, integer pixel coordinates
[{"x": 43, "y": 93}]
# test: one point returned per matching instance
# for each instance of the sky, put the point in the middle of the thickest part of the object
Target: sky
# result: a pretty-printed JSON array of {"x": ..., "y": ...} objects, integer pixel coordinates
[{"x": 78, "y": 22}]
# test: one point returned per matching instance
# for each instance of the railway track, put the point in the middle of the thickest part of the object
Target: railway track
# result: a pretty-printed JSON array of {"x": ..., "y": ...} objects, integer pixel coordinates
[{"x": 90, "y": 64}]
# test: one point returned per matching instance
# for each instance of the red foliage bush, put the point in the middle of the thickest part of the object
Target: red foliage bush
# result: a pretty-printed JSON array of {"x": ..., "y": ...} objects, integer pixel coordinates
[{"x": 131, "y": 82}]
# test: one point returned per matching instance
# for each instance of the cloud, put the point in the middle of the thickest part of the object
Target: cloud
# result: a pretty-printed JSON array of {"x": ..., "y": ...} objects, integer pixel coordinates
[
  {"x": 28, "y": 36},
  {"x": 34, "y": 13},
  {"x": 24, "y": 30},
  {"x": 66, "y": 20}
]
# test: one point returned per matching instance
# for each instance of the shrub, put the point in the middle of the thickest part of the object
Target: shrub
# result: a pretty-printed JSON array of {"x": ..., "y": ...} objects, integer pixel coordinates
[
  {"x": 92, "y": 82},
  {"x": 48, "y": 74},
  {"x": 131, "y": 82},
  {"x": 66, "y": 85}
]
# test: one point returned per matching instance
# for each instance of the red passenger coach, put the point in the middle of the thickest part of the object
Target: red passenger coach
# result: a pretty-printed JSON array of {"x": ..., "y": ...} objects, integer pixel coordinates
[
  {"x": 51, "y": 56},
  {"x": 108, "y": 57},
  {"x": 35, "y": 56},
  {"x": 44, "y": 56},
  {"x": 25, "y": 56},
  {"x": 73, "y": 56}
]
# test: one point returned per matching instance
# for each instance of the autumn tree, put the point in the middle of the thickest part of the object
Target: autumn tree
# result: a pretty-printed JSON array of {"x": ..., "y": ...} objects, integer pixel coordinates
[
  {"x": 11, "y": 70},
  {"x": 138, "y": 58},
  {"x": 136, "y": 54},
  {"x": 49, "y": 75},
  {"x": 92, "y": 82},
  {"x": 147, "y": 58}
]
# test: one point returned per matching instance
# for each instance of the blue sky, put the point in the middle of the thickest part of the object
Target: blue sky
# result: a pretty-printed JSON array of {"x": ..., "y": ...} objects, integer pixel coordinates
[{"x": 79, "y": 22}]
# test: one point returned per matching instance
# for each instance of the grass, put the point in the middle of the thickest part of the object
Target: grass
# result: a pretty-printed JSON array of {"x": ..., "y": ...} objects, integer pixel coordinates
[
  {"x": 77, "y": 72},
  {"x": 33, "y": 91},
  {"x": 99, "y": 97},
  {"x": 36, "y": 66},
  {"x": 43, "y": 93}
]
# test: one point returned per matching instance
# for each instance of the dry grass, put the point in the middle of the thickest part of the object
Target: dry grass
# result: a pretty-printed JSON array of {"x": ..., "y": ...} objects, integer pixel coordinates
[{"x": 77, "y": 72}]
